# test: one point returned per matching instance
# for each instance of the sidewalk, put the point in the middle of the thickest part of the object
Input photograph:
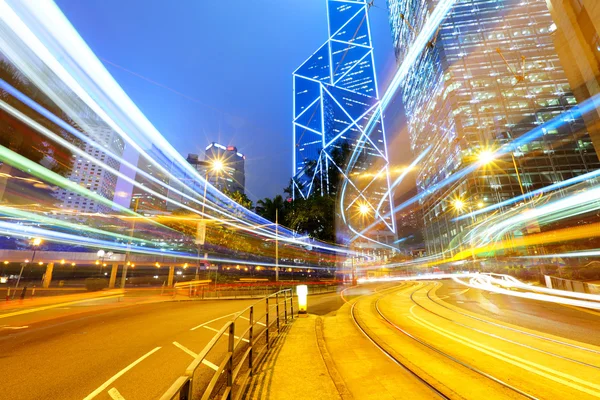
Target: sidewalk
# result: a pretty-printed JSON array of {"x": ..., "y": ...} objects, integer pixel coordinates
[
  {"x": 296, "y": 369},
  {"x": 329, "y": 358}
]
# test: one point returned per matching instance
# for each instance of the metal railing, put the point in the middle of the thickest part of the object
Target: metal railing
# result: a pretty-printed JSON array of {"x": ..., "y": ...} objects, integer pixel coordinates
[{"x": 248, "y": 346}]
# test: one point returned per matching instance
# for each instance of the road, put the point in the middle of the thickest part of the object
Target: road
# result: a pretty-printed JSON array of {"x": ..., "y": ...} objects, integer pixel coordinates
[
  {"x": 104, "y": 351},
  {"x": 460, "y": 342}
]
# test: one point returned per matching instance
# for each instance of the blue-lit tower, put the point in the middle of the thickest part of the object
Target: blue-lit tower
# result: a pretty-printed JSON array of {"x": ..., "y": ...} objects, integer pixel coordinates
[{"x": 335, "y": 100}]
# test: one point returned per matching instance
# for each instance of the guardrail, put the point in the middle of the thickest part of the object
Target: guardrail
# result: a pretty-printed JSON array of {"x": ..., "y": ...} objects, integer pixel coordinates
[
  {"x": 248, "y": 346},
  {"x": 243, "y": 290}
]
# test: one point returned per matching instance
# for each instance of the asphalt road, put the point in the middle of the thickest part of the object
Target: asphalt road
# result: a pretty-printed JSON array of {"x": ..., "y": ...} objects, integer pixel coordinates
[
  {"x": 565, "y": 321},
  {"x": 104, "y": 351},
  {"x": 467, "y": 343}
]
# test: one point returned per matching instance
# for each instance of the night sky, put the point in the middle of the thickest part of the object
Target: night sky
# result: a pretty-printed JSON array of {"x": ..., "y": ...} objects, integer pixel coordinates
[{"x": 222, "y": 71}]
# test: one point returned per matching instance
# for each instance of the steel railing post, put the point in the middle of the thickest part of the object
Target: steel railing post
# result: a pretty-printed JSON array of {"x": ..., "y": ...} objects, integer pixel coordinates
[
  {"x": 230, "y": 363},
  {"x": 277, "y": 310},
  {"x": 292, "y": 302},
  {"x": 267, "y": 322},
  {"x": 250, "y": 336},
  {"x": 285, "y": 306}
]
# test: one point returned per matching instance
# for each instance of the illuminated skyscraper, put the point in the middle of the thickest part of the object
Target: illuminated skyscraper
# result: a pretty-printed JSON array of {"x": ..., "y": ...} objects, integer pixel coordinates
[
  {"x": 90, "y": 175},
  {"x": 490, "y": 74},
  {"x": 338, "y": 129}
]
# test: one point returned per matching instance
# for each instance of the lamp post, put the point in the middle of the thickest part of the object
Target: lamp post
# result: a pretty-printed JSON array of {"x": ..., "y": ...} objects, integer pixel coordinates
[
  {"x": 363, "y": 210},
  {"x": 34, "y": 243},
  {"x": 127, "y": 255},
  {"x": 101, "y": 255},
  {"x": 276, "y": 245},
  {"x": 216, "y": 166}
]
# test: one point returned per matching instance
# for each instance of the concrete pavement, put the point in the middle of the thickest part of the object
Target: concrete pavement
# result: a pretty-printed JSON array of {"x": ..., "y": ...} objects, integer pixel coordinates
[{"x": 438, "y": 339}]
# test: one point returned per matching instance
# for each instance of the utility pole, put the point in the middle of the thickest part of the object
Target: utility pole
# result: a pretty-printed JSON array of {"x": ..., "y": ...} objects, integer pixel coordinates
[
  {"x": 124, "y": 273},
  {"x": 276, "y": 245}
]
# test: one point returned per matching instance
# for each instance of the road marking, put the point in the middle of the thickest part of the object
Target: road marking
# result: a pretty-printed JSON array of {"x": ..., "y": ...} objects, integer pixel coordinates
[
  {"x": 461, "y": 292},
  {"x": 31, "y": 310},
  {"x": 212, "y": 320},
  {"x": 120, "y": 373},
  {"x": 114, "y": 393},
  {"x": 194, "y": 355},
  {"x": 538, "y": 369},
  {"x": 226, "y": 334},
  {"x": 259, "y": 323},
  {"x": 14, "y": 327},
  {"x": 585, "y": 310}
]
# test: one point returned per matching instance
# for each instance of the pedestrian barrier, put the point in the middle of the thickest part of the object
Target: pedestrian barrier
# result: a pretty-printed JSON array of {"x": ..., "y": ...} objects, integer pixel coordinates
[{"x": 239, "y": 355}]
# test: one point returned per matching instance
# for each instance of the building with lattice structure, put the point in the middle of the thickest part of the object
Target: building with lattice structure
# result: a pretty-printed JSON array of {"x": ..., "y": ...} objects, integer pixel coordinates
[{"x": 339, "y": 137}]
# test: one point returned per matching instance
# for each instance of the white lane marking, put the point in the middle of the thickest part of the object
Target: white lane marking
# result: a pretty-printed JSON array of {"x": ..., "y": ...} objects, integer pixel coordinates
[
  {"x": 212, "y": 320},
  {"x": 191, "y": 353},
  {"x": 31, "y": 310},
  {"x": 259, "y": 323},
  {"x": 114, "y": 393},
  {"x": 120, "y": 373},
  {"x": 460, "y": 292},
  {"x": 226, "y": 334},
  {"x": 14, "y": 327}
]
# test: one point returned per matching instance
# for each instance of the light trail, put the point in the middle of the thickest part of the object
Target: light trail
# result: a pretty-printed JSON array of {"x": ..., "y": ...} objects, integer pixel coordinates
[
  {"x": 501, "y": 286},
  {"x": 87, "y": 75}
]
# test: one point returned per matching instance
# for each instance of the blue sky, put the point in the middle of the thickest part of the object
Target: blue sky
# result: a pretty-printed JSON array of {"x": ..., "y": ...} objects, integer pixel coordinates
[{"x": 231, "y": 62}]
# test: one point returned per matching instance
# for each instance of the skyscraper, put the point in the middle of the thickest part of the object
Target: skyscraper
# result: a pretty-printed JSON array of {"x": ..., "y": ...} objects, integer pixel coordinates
[
  {"x": 491, "y": 74},
  {"x": 93, "y": 176},
  {"x": 338, "y": 128},
  {"x": 147, "y": 201},
  {"x": 577, "y": 39}
]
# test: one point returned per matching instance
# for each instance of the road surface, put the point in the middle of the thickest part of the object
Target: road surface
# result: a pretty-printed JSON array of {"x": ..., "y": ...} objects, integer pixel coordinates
[
  {"x": 458, "y": 342},
  {"x": 103, "y": 350}
]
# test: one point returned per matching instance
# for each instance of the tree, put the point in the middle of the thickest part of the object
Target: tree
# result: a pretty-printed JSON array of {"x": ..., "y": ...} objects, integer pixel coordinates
[
  {"x": 314, "y": 216},
  {"x": 239, "y": 198},
  {"x": 267, "y": 208}
]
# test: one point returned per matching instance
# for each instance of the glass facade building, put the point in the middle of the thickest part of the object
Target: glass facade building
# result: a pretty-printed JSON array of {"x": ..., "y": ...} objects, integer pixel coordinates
[
  {"x": 338, "y": 128},
  {"x": 491, "y": 74}
]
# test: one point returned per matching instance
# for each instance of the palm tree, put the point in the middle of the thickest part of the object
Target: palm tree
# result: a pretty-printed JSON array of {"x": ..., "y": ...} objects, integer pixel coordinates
[{"x": 267, "y": 207}]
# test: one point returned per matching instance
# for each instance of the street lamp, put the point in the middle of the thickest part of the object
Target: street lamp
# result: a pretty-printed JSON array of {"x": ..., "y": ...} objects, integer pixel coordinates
[
  {"x": 217, "y": 166},
  {"x": 34, "y": 243},
  {"x": 458, "y": 204},
  {"x": 486, "y": 157},
  {"x": 363, "y": 209}
]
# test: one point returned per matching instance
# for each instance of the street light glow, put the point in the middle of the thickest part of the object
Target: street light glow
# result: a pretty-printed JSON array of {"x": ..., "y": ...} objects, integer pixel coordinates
[
  {"x": 486, "y": 156},
  {"x": 36, "y": 241},
  {"x": 217, "y": 165},
  {"x": 458, "y": 204},
  {"x": 363, "y": 209}
]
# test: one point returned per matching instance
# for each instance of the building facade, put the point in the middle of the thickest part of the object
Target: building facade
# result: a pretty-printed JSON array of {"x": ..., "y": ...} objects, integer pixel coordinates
[
  {"x": 339, "y": 138},
  {"x": 491, "y": 74},
  {"x": 577, "y": 40},
  {"x": 91, "y": 175},
  {"x": 151, "y": 196}
]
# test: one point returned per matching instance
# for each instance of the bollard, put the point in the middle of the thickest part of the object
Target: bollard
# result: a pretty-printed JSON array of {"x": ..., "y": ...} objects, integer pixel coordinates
[
  {"x": 162, "y": 289},
  {"x": 33, "y": 291},
  {"x": 8, "y": 294},
  {"x": 301, "y": 292},
  {"x": 23, "y": 292}
]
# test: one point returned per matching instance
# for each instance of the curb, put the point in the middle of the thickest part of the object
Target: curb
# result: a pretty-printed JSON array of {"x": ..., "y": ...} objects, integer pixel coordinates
[{"x": 337, "y": 379}]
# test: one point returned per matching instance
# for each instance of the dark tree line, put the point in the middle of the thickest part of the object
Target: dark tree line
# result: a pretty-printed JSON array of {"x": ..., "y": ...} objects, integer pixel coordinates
[{"x": 315, "y": 215}]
